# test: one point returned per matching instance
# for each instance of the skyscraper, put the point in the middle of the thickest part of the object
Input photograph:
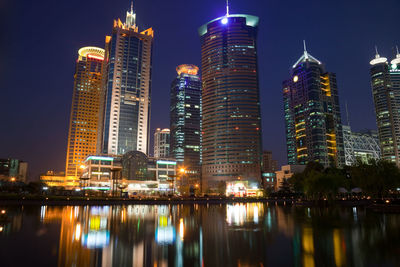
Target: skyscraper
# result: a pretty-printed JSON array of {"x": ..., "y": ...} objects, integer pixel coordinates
[
  {"x": 161, "y": 143},
  {"x": 312, "y": 114},
  {"x": 231, "y": 127},
  {"x": 85, "y": 109},
  {"x": 185, "y": 119},
  {"x": 127, "y": 88},
  {"x": 385, "y": 82}
]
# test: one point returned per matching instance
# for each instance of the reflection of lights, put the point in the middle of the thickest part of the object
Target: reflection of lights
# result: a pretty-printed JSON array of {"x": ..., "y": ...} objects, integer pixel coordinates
[
  {"x": 181, "y": 229},
  {"x": 355, "y": 214},
  {"x": 255, "y": 218},
  {"x": 235, "y": 213},
  {"x": 165, "y": 235},
  {"x": 42, "y": 212},
  {"x": 78, "y": 232},
  {"x": 339, "y": 248},
  {"x": 96, "y": 239}
]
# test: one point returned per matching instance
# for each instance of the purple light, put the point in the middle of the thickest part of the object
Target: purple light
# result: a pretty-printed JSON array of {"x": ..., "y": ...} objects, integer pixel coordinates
[{"x": 224, "y": 20}]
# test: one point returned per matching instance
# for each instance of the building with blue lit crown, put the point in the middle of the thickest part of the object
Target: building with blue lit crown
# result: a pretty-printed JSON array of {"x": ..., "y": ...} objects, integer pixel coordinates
[
  {"x": 231, "y": 125},
  {"x": 312, "y": 114}
]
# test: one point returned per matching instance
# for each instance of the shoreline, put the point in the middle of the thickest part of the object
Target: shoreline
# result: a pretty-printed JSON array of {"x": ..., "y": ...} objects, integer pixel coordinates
[{"x": 67, "y": 201}]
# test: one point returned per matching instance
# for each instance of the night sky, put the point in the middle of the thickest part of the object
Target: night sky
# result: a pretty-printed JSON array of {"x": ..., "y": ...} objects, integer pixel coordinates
[{"x": 40, "y": 39}]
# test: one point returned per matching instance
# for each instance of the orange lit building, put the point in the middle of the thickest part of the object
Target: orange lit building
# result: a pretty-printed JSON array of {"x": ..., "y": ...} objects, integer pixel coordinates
[{"x": 85, "y": 111}]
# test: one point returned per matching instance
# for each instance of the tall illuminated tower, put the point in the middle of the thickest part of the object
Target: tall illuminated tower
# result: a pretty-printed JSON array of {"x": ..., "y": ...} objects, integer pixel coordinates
[
  {"x": 231, "y": 129},
  {"x": 312, "y": 114},
  {"x": 185, "y": 120},
  {"x": 85, "y": 109},
  {"x": 385, "y": 82},
  {"x": 127, "y": 88}
]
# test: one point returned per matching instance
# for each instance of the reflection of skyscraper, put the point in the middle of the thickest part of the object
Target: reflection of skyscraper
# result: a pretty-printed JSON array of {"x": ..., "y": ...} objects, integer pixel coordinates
[
  {"x": 83, "y": 124},
  {"x": 185, "y": 119},
  {"x": 161, "y": 143},
  {"x": 231, "y": 126},
  {"x": 385, "y": 81},
  {"x": 312, "y": 114},
  {"x": 127, "y": 92}
]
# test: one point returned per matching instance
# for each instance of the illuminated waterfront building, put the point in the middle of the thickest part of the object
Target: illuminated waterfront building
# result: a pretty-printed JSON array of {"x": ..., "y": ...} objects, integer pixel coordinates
[
  {"x": 385, "y": 82},
  {"x": 185, "y": 120},
  {"x": 231, "y": 125},
  {"x": 362, "y": 146},
  {"x": 127, "y": 88},
  {"x": 312, "y": 114},
  {"x": 161, "y": 143},
  {"x": 85, "y": 110}
]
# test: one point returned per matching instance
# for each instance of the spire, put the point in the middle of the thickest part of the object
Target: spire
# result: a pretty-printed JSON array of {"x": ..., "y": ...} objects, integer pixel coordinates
[
  {"x": 378, "y": 59},
  {"x": 396, "y": 62},
  {"x": 377, "y": 54},
  {"x": 130, "y": 17},
  {"x": 227, "y": 8},
  {"x": 306, "y": 57}
]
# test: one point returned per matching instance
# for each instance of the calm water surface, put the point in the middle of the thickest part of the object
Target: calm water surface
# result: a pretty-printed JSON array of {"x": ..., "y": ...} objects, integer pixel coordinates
[{"x": 254, "y": 234}]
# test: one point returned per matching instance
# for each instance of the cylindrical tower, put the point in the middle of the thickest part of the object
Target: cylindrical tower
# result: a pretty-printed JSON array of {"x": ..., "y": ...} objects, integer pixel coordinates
[
  {"x": 231, "y": 126},
  {"x": 85, "y": 110}
]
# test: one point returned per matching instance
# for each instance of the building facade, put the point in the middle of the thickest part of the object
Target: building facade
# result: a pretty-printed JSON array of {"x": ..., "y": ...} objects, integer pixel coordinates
[
  {"x": 127, "y": 88},
  {"x": 285, "y": 173},
  {"x": 13, "y": 170},
  {"x": 231, "y": 126},
  {"x": 312, "y": 114},
  {"x": 161, "y": 143},
  {"x": 85, "y": 109},
  {"x": 362, "y": 146},
  {"x": 185, "y": 120},
  {"x": 269, "y": 164},
  {"x": 385, "y": 83}
]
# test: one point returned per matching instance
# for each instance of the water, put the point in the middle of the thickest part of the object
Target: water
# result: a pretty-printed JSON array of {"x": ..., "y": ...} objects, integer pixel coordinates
[{"x": 253, "y": 234}]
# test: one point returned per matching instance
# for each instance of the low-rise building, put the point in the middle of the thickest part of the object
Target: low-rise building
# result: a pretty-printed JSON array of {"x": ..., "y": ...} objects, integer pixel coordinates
[
  {"x": 363, "y": 145},
  {"x": 53, "y": 178},
  {"x": 286, "y": 172}
]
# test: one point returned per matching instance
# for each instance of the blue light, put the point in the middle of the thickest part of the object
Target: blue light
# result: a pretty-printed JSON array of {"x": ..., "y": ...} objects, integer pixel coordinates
[{"x": 224, "y": 20}]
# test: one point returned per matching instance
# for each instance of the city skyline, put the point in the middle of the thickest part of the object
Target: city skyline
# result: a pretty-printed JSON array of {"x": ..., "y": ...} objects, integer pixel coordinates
[{"x": 53, "y": 109}]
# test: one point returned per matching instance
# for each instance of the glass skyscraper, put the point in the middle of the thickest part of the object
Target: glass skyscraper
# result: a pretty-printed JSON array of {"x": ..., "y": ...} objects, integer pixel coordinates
[
  {"x": 385, "y": 82},
  {"x": 231, "y": 126},
  {"x": 127, "y": 88},
  {"x": 85, "y": 110},
  {"x": 312, "y": 114},
  {"x": 185, "y": 120}
]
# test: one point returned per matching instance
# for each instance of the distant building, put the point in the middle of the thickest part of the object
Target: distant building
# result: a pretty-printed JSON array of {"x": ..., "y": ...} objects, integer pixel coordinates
[
  {"x": 362, "y": 146},
  {"x": 13, "y": 170},
  {"x": 269, "y": 180},
  {"x": 269, "y": 164},
  {"x": 161, "y": 143},
  {"x": 85, "y": 110},
  {"x": 287, "y": 172},
  {"x": 52, "y": 178},
  {"x": 231, "y": 121},
  {"x": 312, "y": 114},
  {"x": 385, "y": 82},
  {"x": 128, "y": 66},
  {"x": 185, "y": 120}
]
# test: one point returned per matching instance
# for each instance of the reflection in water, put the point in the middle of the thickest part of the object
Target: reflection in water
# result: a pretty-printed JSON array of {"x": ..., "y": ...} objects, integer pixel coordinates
[{"x": 252, "y": 234}]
